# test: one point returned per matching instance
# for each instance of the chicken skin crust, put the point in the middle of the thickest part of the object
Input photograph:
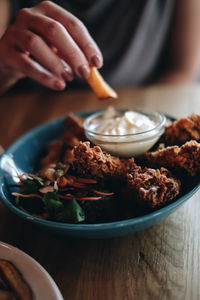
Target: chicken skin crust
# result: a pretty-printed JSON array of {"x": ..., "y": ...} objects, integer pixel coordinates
[
  {"x": 150, "y": 188},
  {"x": 184, "y": 159},
  {"x": 153, "y": 188},
  {"x": 61, "y": 149},
  {"x": 93, "y": 162},
  {"x": 182, "y": 130}
]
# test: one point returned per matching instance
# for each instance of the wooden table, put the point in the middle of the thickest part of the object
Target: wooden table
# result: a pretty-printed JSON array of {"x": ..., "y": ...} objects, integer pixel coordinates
[{"x": 162, "y": 262}]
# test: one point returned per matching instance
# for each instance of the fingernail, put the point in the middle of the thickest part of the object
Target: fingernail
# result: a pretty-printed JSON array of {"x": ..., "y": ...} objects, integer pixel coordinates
[
  {"x": 59, "y": 85},
  {"x": 96, "y": 61},
  {"x": 84, "y": 71},
  {"x": 67, "y": 75}
]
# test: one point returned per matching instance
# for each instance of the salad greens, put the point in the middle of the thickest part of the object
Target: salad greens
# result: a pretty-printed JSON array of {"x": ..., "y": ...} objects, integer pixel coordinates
[
  {"x": 30, "y": 186},
  {"x": 67, "y": 199},
  {"x": 53, "y": 203},
  {"x": 73, "y": 213}
]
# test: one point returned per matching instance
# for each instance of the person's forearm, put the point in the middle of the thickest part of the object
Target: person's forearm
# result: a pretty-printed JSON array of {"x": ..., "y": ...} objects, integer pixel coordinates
[
  {"x": 184, "y": 44},
  {"x": 5, "y": 13},
  {"x": 7, "y": 79}
]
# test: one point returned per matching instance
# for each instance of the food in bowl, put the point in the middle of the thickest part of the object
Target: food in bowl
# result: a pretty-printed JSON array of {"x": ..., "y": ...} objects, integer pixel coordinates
[
  {"x": 124, "y": 133},
  {"x": 12, "y": 284},
  {"x": 78, "y": 182}
]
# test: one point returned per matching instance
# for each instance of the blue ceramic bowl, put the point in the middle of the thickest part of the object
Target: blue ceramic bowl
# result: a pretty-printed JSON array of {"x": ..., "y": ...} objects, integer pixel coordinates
[{"x": 24, "y": 155}]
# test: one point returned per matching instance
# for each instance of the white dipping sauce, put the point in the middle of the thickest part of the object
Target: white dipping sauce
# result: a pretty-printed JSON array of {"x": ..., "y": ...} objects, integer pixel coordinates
[
  {"x": 126, "y": 134},
  {"x": 130, "y": 122}
]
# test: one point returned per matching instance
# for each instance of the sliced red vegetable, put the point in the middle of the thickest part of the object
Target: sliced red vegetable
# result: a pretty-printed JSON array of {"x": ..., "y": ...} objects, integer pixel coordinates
[
  {"x": 86, "y": 180},
  {"x": 77, "y": 185},
  {"x": 63, "y": 181},
  {"x": 102, "y": 193},
  {"x": 28, "y": 195},
  {"x": 82, "y": 180},
  {"x": 69, "y": 196},
  {"x": 71, "y": 177},
  {"x": 24, "y": 175},
  {"x": 88, "y": 198},
  {"x": 21, "y": 178}
]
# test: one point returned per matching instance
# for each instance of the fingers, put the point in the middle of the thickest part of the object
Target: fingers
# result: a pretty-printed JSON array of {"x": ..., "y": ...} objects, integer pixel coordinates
[
  {"x": 57, "y": 35},
  {"x": 32, "y": 69},
  {"x": 48, "y": 44},
  {"x": 66, "y": 33},
  {"x": 36, "y": 46},
  {"x": 68, "y": 74},
  {"x": 77, "y": 30}
]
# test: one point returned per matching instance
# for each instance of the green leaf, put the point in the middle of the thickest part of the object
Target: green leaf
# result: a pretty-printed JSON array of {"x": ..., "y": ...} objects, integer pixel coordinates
[
  {"x": 73, "y": 213},
  {"x": 30, "y": 187},
  {"x": 53, "y": 203}
]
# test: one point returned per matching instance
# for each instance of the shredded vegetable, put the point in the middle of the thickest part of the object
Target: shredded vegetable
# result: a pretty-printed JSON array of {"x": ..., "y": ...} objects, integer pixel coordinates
[{"x": 46, "y": 198}]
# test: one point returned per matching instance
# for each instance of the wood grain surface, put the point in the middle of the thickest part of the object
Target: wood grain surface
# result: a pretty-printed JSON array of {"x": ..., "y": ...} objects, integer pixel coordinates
[{"x": 162, "y": 262}]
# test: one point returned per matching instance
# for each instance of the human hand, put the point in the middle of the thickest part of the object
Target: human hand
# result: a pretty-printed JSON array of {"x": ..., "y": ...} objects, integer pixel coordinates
[{"x": 49, "y": 45}]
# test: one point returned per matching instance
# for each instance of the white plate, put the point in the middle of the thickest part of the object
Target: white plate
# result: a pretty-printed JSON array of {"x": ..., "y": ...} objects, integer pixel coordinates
[{"x": 40, "y": 282}]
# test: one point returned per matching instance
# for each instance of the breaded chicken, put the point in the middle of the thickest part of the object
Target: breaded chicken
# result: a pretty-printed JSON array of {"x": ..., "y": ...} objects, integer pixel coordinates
[
  {"x": 185, "y": 158},
  {"x": 61, "y": 150},
  {"x": 73, "y": 129},
  {"x": 182, "y": 130},
  {"x": 153, "y": 188},
  {"x": 149, "y": 187},
  {"x": 93, "y": 162}
]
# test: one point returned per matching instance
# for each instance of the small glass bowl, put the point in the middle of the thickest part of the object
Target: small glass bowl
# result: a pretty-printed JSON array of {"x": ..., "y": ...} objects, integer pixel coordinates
[{"x": 126, "y": 145}]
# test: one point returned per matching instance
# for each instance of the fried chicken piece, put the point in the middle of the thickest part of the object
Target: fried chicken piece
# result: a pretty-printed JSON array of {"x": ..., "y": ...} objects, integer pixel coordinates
[
  {"x": 150, "y": 187},
  {"x": 153, "y": 188},
  {"x": 53, "y": 155},
  {"x": 61, "y": 150},
  {"x": 185, "y": 158},
  {"x": 74, "y": 131},
  {"x": 93, "y": 162},
  {"x": 182, "y": 130}
]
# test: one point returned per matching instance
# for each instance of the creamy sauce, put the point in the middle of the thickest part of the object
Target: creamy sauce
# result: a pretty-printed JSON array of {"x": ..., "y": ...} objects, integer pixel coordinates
[
  {"x": 130, "y": 122},
  {"x": 124, "y": 134}
]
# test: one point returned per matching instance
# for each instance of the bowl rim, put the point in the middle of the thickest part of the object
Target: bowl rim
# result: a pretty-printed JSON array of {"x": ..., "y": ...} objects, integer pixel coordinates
[
  {"x": 98, "y": 226},
  {"x": 160, "y": 125},
  {"x": 85, "y": 227}
]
